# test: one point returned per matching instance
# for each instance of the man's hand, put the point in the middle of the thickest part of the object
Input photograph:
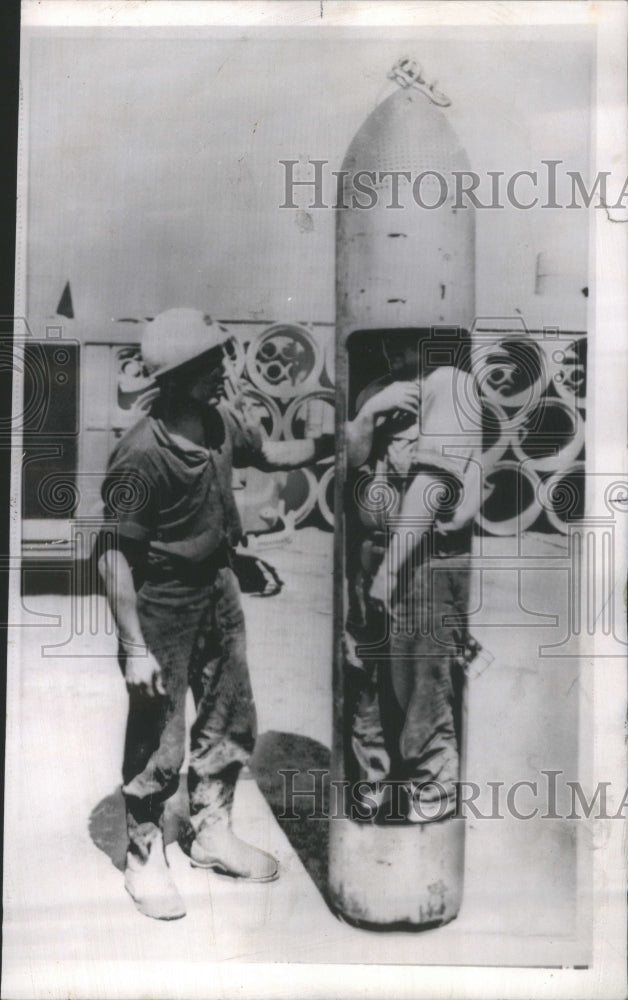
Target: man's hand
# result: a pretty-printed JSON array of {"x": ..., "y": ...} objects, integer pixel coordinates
[
  {"x": 397, "y": 396},
  {"x": 142, "y": 674},
  {"x": 252, "y": 412},
  {"x": 140, "y": 668},
  {"x": 359, "y": 432}
]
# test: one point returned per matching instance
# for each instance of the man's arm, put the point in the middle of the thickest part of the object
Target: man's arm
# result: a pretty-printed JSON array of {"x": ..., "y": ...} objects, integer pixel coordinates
[
  {"x": 283, "y": 455},
  {"x": 141, "y": 669},
  {"x": 252, "y": 448},
  {"x": 359, "y": 431}
]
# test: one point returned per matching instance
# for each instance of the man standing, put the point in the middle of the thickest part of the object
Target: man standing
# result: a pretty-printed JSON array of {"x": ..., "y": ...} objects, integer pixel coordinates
[
  {"x": 176, "y": 601},
  {"x": 418, "y": 451}
]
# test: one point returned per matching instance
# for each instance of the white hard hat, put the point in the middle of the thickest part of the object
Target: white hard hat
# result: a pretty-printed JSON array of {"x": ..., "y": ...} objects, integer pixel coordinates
[{"x": 177, "y": 336}]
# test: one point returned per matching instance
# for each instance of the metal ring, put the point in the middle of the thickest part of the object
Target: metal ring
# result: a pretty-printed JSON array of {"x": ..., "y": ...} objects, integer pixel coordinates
[
  {"x": 238, "y": 361},
  {"x": 558, "y": 498},
  {"x": 523, "y": 519},
  {"x": 568, "y": 372},
  {"x": 307, "y": 506},
  {"x": 295, "y": 363},
  {"x": 292, "y": 412},
  {"x": 408, "y": 73},
  {"x": 273, "y": 413},
  {"x": 616, "y": 497},
  {"x": 329, "y": 352},
  {"x": 323, "y": 486},
  {"x": 143, "y": 403},
  {"x": 529, "y": 434},
  {"x": 495, "y": 368},
  {"x": 131, "y": 375},
  {"x": 495, "y": 451}
]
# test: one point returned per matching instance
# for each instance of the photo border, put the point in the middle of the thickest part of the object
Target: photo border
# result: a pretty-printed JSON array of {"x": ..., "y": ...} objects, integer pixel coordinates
[{"x": 605, "y": 686}]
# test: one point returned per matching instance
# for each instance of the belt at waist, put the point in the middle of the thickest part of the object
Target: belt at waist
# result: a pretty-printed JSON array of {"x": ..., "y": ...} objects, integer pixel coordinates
[
  {"x": 185, "y": 571},
  {"x": 442, "y": 544},
  {"x": 453, "y": 543}
]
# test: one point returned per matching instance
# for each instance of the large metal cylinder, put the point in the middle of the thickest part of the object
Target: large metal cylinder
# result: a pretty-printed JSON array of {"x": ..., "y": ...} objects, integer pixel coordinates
[{"x": 397, "y": 270}]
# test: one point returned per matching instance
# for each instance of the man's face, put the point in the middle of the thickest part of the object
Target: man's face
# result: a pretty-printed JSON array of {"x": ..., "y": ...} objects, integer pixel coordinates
[
  {"x": 205, "y": 382},
  {"x": 402, "y": 356}
]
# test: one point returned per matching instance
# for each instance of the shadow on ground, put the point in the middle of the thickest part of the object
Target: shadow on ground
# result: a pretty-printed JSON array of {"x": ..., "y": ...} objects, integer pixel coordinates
[{"x": 302, "y": 817}]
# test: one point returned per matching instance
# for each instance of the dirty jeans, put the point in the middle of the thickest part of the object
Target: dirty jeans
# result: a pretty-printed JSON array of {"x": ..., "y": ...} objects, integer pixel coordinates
[
  {"x": 197, "y": 636},
  {"x": 406, "y": 727}
]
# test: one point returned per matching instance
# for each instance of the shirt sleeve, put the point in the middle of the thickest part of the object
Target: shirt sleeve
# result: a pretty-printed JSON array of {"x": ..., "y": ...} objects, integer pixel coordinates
[
  {"x": 450, "y": 436},
  {"x": 247, "y": 437},
  {"x": 130, "y": 494}
]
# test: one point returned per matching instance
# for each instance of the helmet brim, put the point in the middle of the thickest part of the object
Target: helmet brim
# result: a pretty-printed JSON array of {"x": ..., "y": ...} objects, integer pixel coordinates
[{"x": 196, "y": 359}]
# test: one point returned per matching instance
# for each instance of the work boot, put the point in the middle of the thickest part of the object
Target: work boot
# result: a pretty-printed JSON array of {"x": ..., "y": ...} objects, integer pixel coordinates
[
  {"x": 151, "y": 886},
  {"x": 217, "y": 847}
]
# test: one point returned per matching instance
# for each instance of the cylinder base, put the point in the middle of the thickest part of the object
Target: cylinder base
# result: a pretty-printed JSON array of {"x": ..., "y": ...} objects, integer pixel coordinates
[{"x": 397, "y": 877}]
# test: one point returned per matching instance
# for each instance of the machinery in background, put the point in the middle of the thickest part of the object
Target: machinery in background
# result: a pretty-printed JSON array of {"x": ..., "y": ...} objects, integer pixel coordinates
[{"x": 82, "y": 389}]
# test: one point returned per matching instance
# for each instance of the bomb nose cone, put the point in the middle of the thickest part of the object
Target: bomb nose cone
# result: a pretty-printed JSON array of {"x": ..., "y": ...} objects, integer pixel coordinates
[
  {"x": 406, "y": 132},
  {"x": 405, "y": 250}
]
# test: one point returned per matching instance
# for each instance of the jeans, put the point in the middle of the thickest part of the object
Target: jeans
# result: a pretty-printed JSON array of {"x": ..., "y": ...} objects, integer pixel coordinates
[
  {"x": 429, "y": 636},
  {"x": 197, "y": 635},
  {"x": 405, "y": 712}
]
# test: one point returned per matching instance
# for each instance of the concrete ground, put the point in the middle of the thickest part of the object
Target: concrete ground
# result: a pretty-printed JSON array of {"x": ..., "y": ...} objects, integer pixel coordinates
[{"x": 66, "y": 912}]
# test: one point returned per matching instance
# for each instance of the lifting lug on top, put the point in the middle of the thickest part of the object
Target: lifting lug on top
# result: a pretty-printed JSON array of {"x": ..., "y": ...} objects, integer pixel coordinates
[{"x": 408, "y": 73}]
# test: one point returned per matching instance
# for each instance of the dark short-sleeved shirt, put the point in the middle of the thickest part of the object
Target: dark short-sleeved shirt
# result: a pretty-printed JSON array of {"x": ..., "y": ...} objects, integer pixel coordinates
[{"x": 176, "y": 497}]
